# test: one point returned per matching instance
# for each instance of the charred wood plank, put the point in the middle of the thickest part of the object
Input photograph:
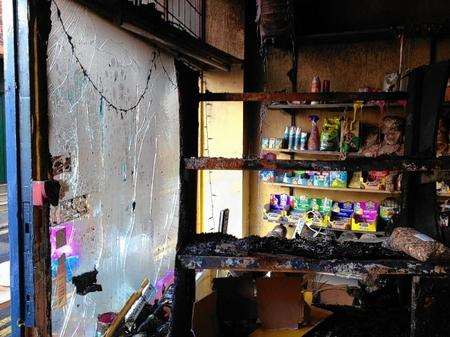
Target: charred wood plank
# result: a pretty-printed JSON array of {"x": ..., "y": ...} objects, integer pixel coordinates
[
  {"x": 426, "y": 98},
  {"x": 351, "y": 164},
  {"x": 187, "y": 81},
  {"x": 288, "y": 263},
  {"x": 304, "y": 96},
  {"x": 430, "y": 301}
]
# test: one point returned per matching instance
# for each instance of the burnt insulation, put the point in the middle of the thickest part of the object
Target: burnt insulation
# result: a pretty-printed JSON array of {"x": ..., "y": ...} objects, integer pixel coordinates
[{"x": 216, "y": 244}]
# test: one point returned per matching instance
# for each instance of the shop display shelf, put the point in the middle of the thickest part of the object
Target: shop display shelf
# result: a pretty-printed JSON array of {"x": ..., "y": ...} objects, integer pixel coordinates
[
  {"x": 349, "y": 164},
  {"x": 381, "y": 233},
  {"x": 326, "y": 106},
  {"x": 443, "y": 195},
  {"x": 288, "y": 263},
  {"x": 326, "y": 155},
  {"x": 357, "y": 190},
  {"x": 329, "y": 97},
  {"x": 378, "y": 233}
]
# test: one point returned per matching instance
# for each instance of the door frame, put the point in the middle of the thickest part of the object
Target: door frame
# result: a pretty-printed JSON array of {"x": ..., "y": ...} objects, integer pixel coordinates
[{"x": 26, "y": 25}]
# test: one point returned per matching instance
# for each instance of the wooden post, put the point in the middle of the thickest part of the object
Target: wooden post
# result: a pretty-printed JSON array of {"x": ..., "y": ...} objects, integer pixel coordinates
[
  {"x": 430, "y": 303},
  {"x": 184, "y": 278},
  {"x": 426, "y": 97}
]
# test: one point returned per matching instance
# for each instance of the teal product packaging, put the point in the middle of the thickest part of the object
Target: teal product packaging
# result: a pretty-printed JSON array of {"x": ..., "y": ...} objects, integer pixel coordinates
[
  {"x": 301, "y": 204},
  {"x": 338, "y": 179},
  {"x": 321, "y": 179}
]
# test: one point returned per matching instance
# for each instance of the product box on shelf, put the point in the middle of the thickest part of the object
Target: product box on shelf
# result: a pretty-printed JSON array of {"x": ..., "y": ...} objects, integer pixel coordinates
[
  {"x": 338, "y": 179},
  {"x": 267, "y": 176},
  {"x": 365, "y": 216},
  {"x": 280, "y": 202},
  {"x": 303, "y": 178},
  {"x": 341, "y": 215},
  {"x": 321, "y": 179}
]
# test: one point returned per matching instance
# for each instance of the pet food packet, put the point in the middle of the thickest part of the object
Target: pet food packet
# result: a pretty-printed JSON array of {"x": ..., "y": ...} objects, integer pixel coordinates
[
  {"x": 338, "y": 179},
  {"x": 329, "y": 138},
  {"x": 267, "y": 176},
  {"x": 417, "y": 245},
  {"x": 301, "y": 204},
  {"x": 366, "y": 211},
  {"x": 342, "y": 211},
  {"x": 321, "y": 179},
  {"x": 325, "y": 206}
]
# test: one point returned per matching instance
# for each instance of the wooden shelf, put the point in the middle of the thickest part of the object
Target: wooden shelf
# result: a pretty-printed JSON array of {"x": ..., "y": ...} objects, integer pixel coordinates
[
  {"x": 329, "y": 228},
  {"x": 288, "y": 263},
  {"x": 357, "y": 190},
  {"x": 326, "y": 155},
  {"x": 325, "y": 106},
  {"x": 347, "y": 230},
  {"x": 350, "y": 164},
  {"x": 334, "y": 97},
  {"x": 443, "y": 195}
]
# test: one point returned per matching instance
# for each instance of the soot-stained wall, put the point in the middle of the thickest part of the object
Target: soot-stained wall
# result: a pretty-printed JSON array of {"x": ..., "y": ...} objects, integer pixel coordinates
[{"x": 119, "y": 171}]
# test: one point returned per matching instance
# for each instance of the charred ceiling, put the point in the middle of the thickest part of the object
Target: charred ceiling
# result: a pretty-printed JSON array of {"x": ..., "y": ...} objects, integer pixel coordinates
[{"x": 283, "y": 22}]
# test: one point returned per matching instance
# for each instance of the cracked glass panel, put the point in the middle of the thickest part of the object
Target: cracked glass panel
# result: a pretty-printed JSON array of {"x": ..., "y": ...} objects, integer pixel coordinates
[{"x": 119, "y": 169}]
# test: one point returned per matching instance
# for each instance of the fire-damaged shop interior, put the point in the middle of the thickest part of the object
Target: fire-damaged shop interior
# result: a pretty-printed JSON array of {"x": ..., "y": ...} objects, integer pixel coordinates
[{"x": 227, "y": 168}]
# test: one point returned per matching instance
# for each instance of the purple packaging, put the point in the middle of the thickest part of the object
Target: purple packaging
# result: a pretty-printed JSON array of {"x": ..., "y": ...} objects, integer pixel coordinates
[
  {"x": 342, "y": 211},
  {"x": 366, "y": 211},
  {"x": 279, "y": 202}
]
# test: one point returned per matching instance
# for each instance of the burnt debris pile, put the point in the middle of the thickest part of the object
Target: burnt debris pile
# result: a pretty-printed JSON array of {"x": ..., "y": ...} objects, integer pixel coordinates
[{"x": 216, "y": 244}]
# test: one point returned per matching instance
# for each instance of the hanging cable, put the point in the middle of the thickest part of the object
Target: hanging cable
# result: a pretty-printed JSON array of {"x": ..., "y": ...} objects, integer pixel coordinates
[{"x": 122, "y": 110}]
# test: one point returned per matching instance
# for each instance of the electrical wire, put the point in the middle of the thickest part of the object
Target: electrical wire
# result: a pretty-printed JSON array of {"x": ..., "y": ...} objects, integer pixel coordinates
[
  {"x": 211, "y": 194},
  {"x": 110, "y": 104}
]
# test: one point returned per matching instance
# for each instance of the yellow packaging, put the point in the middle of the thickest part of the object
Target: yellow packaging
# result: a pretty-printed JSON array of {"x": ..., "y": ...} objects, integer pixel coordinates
[
  {"x": 369, "y": 227},
  {"x": 324, "y": 223}
]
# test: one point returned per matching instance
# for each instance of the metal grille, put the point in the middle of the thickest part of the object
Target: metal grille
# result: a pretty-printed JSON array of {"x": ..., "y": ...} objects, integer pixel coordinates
[{"x": 184, "y": 14}]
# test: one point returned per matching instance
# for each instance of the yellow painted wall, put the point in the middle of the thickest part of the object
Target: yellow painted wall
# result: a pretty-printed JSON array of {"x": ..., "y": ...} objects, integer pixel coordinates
[
  {"x": 222, "y": 131},
  {"x": 224, "y": 29}
]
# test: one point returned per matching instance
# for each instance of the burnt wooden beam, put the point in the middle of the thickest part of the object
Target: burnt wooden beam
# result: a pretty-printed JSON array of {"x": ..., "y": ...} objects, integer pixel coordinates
[
  {"x": 350, "y": 164},
  {"x": 349, "y": 36},
  {"x": 303, "y": 96},
  {"x": 287, "y": 263},
  {"x": 41, "y": 162},
  {"x": 427, "y": 92},
  {"x": 187, "y": 81},
  {"x": 254, "y": 80}
]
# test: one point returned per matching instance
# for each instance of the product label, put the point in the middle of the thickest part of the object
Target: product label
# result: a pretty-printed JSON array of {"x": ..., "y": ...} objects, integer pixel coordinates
[{"x": 424, "y": 237}]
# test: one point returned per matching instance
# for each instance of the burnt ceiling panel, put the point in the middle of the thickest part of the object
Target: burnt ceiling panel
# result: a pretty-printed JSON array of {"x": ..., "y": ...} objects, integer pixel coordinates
[{"x": 325, "y": 17}]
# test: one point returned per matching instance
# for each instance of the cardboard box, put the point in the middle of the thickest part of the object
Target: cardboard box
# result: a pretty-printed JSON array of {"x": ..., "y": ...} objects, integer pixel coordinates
[
  {"x": 205, "y": 322},
  {"x": 280, "y": 302},
  {"x": 336, "y": 295},
  {"x": 317, "y": 316}
]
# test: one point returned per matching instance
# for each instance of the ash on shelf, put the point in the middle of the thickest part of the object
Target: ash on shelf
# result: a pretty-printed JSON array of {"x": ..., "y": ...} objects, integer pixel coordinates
[{"x": 216, "y": 244}]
